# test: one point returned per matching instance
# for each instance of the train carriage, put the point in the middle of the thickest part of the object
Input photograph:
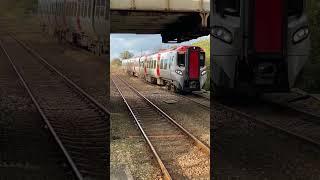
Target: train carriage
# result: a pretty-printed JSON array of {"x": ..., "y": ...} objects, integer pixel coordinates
[
  {"x": 258, "y": 45},
  {"x": 82, "y": 22},
  {"x": 181, "y": 69}
]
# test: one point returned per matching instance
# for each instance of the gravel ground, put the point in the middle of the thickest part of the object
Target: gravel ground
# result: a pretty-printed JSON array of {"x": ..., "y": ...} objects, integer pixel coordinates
[
  {"x": 127, "y": 145},
  {"x": 190, "y": 115},
  {"x": 247, "y": 150}
]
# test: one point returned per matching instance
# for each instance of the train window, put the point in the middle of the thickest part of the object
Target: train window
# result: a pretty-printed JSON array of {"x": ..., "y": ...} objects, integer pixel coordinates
[
  {"x": 89, "y": 8},
  {"x": 181, "y": 60},
  {"x": 97, "y": 8},
  {"x": 69, "y": 9},
  {"x": 102, "y": 6},
  {"x": 83, "y": 9},
  {"x": 154, "y": 64},
  {"x": 74, "y": 9},
  {"x": 161, "y": 64},
  {"x": 202, "y": 59},
  {"x": 295, "y": 7},
  {"x": 165, "y": 64},
  {"x": 228, "y": 7},
  {"x": 86, "y": 8}
]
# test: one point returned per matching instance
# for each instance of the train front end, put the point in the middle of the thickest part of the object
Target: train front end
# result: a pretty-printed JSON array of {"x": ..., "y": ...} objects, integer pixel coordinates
[
  {"x": 259, "y": 44},
  {"x": 190, "y": 70}
]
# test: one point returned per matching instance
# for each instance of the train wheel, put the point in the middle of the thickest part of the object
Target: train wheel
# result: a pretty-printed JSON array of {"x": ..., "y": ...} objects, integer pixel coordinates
[{"x": 175, "y": 89}]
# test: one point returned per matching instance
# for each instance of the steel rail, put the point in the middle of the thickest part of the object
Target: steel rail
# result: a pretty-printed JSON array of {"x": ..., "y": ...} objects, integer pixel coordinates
[
  {"x": 162, "y": 166},
  {"x": 66, "y": 79},
  {"x": 297, "y": 135},
  {"x": 207, "y": 107},
  {"x": 186, "y": 97},
  {"x": 44, "y": 117},
  {"x": 199, "y": 144}
]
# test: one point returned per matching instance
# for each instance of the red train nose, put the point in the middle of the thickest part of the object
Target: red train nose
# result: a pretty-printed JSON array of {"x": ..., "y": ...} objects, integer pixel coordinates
[{"x": 268, "y": 24}]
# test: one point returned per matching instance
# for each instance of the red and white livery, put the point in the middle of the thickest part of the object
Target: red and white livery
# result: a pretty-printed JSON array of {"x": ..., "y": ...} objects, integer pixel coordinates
[{"x": 181, "y": 69}]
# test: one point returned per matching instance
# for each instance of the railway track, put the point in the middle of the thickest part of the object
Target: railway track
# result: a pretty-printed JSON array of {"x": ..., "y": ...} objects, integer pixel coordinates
[
  {"x": 78, "y": 123},
  {"x": 283, "y": 119},
  {"x": 180, "y": 155},
  {"x": 297, "y": 100},
  {"x": 203, "y": 101},
  {"x": 196, "y": 98},
  {"x": 27, "y": 149}
]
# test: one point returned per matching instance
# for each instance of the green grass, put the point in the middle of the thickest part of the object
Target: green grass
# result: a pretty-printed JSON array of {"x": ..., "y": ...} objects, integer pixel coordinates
[
  {"x": 310, "y": 77},
  {"x": 205, "y": 45}
]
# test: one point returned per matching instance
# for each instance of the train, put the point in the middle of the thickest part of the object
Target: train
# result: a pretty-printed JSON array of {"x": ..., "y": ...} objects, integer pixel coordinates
[
  {"x": 182, "y": 69},
  {"x": 258, "y": 46},
  {"x": 84, "y": 23}
]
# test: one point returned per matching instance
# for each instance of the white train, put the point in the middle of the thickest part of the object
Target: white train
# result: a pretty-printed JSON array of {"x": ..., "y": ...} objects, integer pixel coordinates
[
  {"x": 82, "y": 22},
  {"x": 181, "y": 69}
]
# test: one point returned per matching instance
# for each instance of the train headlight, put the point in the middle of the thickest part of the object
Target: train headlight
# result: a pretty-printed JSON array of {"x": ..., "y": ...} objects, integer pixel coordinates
[
  {"x": 203, "y": 73},
  {"x": 222, "y": 33},
  {"x": 179, "y": 72},
  {"x": 300, "y": 35}
]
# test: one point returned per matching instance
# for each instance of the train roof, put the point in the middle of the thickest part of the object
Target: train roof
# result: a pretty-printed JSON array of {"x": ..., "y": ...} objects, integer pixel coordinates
[{"x": 179, "y": 49}]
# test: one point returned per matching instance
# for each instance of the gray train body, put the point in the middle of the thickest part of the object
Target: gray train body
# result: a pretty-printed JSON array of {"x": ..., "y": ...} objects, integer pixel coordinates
[{"x": 82, "y": 22}]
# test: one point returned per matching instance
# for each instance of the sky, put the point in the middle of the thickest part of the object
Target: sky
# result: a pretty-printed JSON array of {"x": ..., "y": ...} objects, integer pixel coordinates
[{"x": 138, "y": 44}]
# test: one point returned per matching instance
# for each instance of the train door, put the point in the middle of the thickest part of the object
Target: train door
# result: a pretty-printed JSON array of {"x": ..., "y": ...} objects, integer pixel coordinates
[
  {"x": 193, "y": 63},
  {"x": 172, "y": 62},
  {"x": 192, "y": 67}
]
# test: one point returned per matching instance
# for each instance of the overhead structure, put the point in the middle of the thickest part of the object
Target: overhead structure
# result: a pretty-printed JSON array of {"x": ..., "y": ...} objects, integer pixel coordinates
[{"x": 175, "y": 20}]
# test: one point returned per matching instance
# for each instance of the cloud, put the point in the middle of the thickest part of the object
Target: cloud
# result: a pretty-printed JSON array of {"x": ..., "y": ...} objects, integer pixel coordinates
[
  {"x": 133, "y": 43},
  {"x": 139, "y": 44}
]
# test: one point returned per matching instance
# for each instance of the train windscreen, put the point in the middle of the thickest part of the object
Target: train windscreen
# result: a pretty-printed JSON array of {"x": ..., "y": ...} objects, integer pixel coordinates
[
  {"x": 227, "y": 7},
  {"x": 202, "y": 59},
  {"x": 295, "y": 7},
  {"x": 181, "y": 60}
]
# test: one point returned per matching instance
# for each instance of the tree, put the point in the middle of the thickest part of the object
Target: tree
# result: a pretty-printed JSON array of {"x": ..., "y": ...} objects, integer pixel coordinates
[
  {"x": 126, "y": 55},
  {"x": 116, "y": 62}
]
